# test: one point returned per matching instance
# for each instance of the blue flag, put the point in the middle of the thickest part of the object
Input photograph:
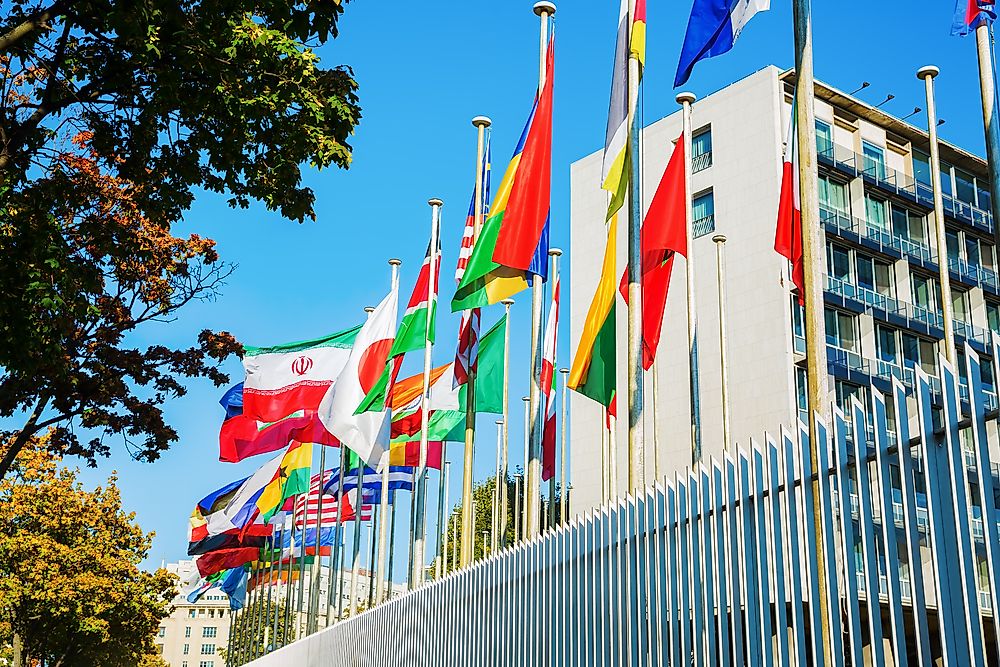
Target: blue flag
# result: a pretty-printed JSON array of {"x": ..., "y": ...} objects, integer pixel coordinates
[
  {"x": 234, "y": 584},
  {"x": 712, "y": 30}
]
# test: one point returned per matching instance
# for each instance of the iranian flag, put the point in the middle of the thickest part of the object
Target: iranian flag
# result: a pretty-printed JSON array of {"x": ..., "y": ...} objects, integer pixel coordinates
[
  {"x": 282, "y": 379},
  {"x": 788, "y": 236},
  {"x": 366, "y": 434}
]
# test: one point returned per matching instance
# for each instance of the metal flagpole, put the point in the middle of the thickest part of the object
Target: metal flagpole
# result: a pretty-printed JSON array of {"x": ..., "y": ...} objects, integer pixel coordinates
[
  {"x": 480, "y": 123},
  {"x": 392, "y": 545},
  {"x": 496, "y": 517},
  {"x": 554, "y": 253},
  {"x": 313, "y": 615},
  {"x": 258, "y": 611},
  {"x": 533, "y": 468},
  {"x": 527, "y": 460},
  {"x": 300, "y": 603},
  {"x": 927, "y": 74},
  {"x": 356, "y": 555},
  {"x": 454, "y": 543},
  {"x": 720, "y": 265},
  {"x": 289, "y": 589},
  {"x": 517, "y": 508},
  {"x": 335, "y": 576},
  {"x": 270, "y": 591},
  {"x": 991, "y": 123},
  {"x": 505, "y": 416},
  {"x": 605, "y": 458},
  {"x": 813, "y": 244},
  {"x": 281, "y": 542},
  {"x": 383, "y": 528},
  {"x": 635, "y": 372},
  {"x": 419, "y": 522},
  {"x": 612, "y": 456},
  {"x": 563, "y": 480},
  {"x": 441, "y": 523},
  {"x": 376, "y": 520},
  {"x": 686, "y": 100},
  {"x": 340, "y": 578}
]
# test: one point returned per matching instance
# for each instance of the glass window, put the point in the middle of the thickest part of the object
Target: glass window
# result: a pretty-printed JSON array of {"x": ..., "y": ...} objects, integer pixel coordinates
[
  {"x": 888, "y": 347},
  {"x": 965, "y": 187},
  {"x": 206, "y": 663},
  {"x": 986, "y": 372},
  {"x": 960, "y": 304},
  {"x": 908, "y": 225},
  {"x": 839, "y": 260},
  {"x": 210, "y": 630},
  {"x": 874, "y": 160},
  {"x": 801, "y": 393},
  {"x": 208, "y": 649},
  {"x": 972, "y": 250},
  {"x": 824, "y": 138},
  {"x": 875, "y": 212},
  {"x": 187, "y": 631},
  {"x": 186, "y": 649},
  {"x": 993, "y": 316},
  {"x": 951, "y": 242},
  {"x": 845, "y": 391},
  {"x": 924, "y": 291},
  {"x": 946, "y": 178},
  {"x": 798, "y": 315},
  {"x": 701, "y": 142},
  {"x": 874, "y": 274},
  {"x": 834, "y": 195},
  {"x": 919, "y": 352},
  {"x": 191, "y": 613},
  {"x": 163, "y": 631},
  {"x": 840, "y": 330},
  {"x": 703, "y": 206},
  {"x": 922, "y": 167}
]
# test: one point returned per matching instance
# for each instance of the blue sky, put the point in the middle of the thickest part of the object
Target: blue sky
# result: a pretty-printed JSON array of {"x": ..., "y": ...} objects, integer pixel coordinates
[{"x": 424, "y": 70}]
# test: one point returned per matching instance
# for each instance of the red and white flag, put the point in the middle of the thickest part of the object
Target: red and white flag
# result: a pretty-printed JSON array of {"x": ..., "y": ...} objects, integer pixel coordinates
[
  {"x": 548, "y": 383},
  {"x": 788, "y": 236},
  {"x": 307, "y": 509},
  {"x": 467, "y": 357}
]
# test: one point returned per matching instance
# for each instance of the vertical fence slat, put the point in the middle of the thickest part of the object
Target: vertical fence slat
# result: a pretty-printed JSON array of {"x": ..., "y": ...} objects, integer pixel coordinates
[
  {"x": 848, "y": 539},
  {"x": 792, "y": 544}
]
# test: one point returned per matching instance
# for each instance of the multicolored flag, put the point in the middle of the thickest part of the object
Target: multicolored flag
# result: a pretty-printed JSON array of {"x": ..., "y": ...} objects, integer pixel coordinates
[
  {"x": 283, "y": 379},
  {"x": 291, "y": 478},
  {"x": 617, "y": 162},
  {"x": 663, "y": 235},
  {"x": 788, "y": 235},
  {"x": 418, "y": 323},
  {"x": 593, "y": 371},
  {"x": 970, "y": 14},
  {"x": 469, "y": 231},
  {"x": 548, "y": 384},
  {"x": 366, "y": 434},
  {"x": 712, "y": 30}
]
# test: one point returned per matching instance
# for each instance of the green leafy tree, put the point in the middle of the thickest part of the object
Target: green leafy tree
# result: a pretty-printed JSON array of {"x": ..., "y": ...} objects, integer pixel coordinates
[
  {"x": 71, "y": 591},
  {"x": 252, "y": 632},
  {"x": 113, "y": 115}
]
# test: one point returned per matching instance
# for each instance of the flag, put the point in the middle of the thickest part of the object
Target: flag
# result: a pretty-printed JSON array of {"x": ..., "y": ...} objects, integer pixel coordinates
[
  {"x": 712, "y": 30},
  {"x": 234, "y": 584},
  {"x": 527, "y": 216},
  {"x": 233, "y": 507},
  {"x": 970, "y": 14},
  {"x": 788, "y": 235},
  {"x": 467, "y": 354},
  {"x": 282, "y": 379},
  {"x": 216, "y": 561},
  {"x": 202, "y": 586},
  {"x": 417, "y": 324},
  {"x": 407, "y": 453},
  {"x": 400, "y": 477},
  {"x": 593, "y": 371},
  {"x": 291, "y": 478},
  {"x": 366, "y": 434},
  {"x": 617, "y": 162},
  {"x": 663, "y": 234},
  {"x": 548, "y": 384},
  {"x": 306, "y": 510},
  {"x": 469, "y": 231}
]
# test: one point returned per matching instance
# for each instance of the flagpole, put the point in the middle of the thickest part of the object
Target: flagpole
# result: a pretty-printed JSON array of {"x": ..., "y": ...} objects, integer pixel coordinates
[
  {"x": 383, "y": 527},
  {"x": 335, "y": 576},
  {"x": 281, "y": 543},
  {"x": 527, "y": 461},
  {"x": 612, "y": 423},
  {"x": 605, "y": 458},
  {"x": 441, "y": 523},
  {"x": 418, "y": 536},
  {"x": 813, "y": 248},
  {"x": 927, "y": 74},
  {"x": 392, "y": 547},
  {"x": 270, "y": 590},
  {"x": 480, "y": 123},
  {"x": 376, "y": 521},
  {"x": 533, "y": 470},
  {"x": 518, "y": 506},
  {"x": 720, "y": 266},
  {"x": 495, "y": 525},
  {"x": 991, "y": 123},
  {"x": 359, "y": 489},
  {"x": 258, "y": 598},
  {"x": 686, "y": 100},
  {"x": 554, "y": 254},
  {"x": 505, "y": 416},
  {"x": 289, "y": 589},
  {"x": 313, "y": 615},
  {"x": 300, "y": 603},
  {"x": 564, "y": 489}
]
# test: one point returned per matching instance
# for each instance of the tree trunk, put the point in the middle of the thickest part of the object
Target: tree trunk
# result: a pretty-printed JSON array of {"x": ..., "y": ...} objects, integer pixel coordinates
[{"x": 18, "y": 650}]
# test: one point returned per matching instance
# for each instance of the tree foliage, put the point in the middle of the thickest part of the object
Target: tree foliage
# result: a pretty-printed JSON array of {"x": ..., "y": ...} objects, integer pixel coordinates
[
  {"x": 70, "y": 586},
  {"x": 253, "y": 629},
  {"x": 112, "y": 116}
]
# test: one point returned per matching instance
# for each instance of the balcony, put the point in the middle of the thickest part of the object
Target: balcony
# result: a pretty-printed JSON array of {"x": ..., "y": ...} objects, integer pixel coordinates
[
  {"x": 893, "y": 244},
  {"x": 703, "y": 226},
  {"x": 974, "y": 274},
  {"x": 701, "y": 162},
  {"x": 832, "y": 218}
]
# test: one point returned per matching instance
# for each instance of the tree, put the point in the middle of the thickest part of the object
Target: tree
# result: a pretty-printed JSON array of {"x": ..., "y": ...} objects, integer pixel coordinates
[
  {"x": 252, "y": 630},
  {"x": 71, "y": 591},
  {"x": 112, "y": 117}
]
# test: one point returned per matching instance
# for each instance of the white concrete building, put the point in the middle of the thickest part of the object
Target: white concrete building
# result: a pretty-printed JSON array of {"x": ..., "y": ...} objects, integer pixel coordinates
[
  {"x": 883, "y": 310},
  {"x": 193, "y": 634}
]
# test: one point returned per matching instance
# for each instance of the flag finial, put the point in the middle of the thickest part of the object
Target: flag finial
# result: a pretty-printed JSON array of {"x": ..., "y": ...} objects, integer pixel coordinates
[
  {"x": 928, "y": 71},
  {"x": 482, "y": 121},
  {"x": 686, "y": 97},
  {"x": 544, "y": 8}
]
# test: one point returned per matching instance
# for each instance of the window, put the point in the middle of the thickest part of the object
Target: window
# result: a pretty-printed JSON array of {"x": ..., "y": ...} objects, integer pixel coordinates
[
  {"x": 922, "y": 167},
  {"x": 920, "y": 352},
  {"x": 965, "y": 187},
  {"x": 960, "y": 305},
  {"x": 838, "y": 259},
  {"x": 874, "y": 160},
  {"x": 703, "y": 214},
  {"x": 162, "y": 632},
  {"x": 206, "y": 663},
  {"x": 925, "y": 292},
  {"x": 208, "y": 631},
  {"x": 951, "y": 242},
  {"x": 993, "y": 316},
  {"x": 887, "y": 344},
  {"x": 208, "y": 649},
  {"x": 840, "y": 330},
  {"x": 186, "y": 649},
  {"x": 187, "y": 631},
  {"x": 701, "y": 149},
  {"x": 908, "y": 225},
  {"x": 184, "y": 663},
  {"x": 824, "y": 138},
  {"x": 845, "y": 391},
  {"x": 875, "y": 212},
  {"x": 191, "y": 613},
  {"x": 801, "y": 395},
  {"x": 874, "y": 274},
  {"x": 833, "y": 195}
]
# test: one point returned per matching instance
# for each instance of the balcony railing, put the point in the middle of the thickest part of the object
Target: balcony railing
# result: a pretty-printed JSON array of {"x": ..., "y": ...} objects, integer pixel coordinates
[
  {"x": 701, "y": 162},
  {"x": 703, "y": 226},
  {"x": 831, "y": 217},
  {"x": 900, "y": 244}
]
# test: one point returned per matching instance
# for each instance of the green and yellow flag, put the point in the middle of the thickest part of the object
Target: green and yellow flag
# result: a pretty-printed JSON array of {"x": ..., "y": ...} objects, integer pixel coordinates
[
  {"x": 593, "y": 370},
  {"x": 291, "y": 479}
]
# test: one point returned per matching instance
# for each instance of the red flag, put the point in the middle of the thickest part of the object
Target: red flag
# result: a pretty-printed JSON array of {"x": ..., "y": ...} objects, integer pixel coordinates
[
  {"x": 224, "y": 559},
  {"x": 242, "y": 436},
  {"x": 548, "y": 384},
  {"x": 664, "y": 233},
  {"x": 528, "y": 205},
  {"x": 788, "y": 236}
]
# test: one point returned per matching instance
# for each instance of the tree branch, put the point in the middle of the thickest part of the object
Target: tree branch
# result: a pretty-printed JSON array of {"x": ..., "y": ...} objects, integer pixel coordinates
[
  {"x": 29, "y": 429},
  {"x": 29, "y": 26}
]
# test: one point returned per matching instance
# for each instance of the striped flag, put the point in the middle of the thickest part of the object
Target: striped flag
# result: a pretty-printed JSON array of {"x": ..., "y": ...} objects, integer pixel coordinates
[
  {"x": 970, "y": 14},
  {"x": 548, "y": 384},
  {"x": 616, "y": 164},
  {"x": 307, "y": 510},
  {"x": 417, "y": 324},
  {"x": 712, "y": 30},
  {"x": 469, "y": 233},
  {"x": 788, "y": 235}
]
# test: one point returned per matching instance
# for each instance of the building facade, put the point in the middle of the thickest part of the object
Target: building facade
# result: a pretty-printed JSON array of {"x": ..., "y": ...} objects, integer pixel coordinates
[
  {"x": 883, "y": 300},
  {"x": 193, "y": 634}
]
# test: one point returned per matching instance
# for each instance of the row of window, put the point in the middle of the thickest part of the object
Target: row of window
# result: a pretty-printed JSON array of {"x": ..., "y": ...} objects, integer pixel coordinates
[
  {"x": 203, "y": 663},
  {"x": 207, "y": 631},
  {"x": 201, "y": 613},
  {"x": 206, "y": 649}
]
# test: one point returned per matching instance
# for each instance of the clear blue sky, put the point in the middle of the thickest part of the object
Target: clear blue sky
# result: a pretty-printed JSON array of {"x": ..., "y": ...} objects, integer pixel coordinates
[{"x": 424, "y": 70}]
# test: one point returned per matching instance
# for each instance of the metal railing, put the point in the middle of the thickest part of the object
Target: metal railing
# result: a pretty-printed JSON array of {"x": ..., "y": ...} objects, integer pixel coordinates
[
  {"x": 703, "y": 226},
  {"x": 701, "y": 162},
  {"x": 717, "y": 565}
]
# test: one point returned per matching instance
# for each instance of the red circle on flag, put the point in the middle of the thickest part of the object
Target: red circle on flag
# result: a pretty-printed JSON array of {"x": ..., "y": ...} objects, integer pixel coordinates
[{"x": 373, "y": 363}]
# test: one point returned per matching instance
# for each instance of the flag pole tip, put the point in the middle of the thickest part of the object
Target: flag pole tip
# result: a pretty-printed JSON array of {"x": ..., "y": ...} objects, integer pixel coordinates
[
  {"x": 544, "y": 8},
  {"x": 525, "y": 399},
  {"x": 928, "y": 71},
  {"x": 434, "y": 201},
  {"x": 369, "y": 309},
  {"x": 555, "y": 252},
  {"x": 719, "y": 238},
  {"x": 507, "y": 302},
  {"x": 499, "y": 422},
  {"x": 686, "y": 97},
  {"x": 564, "y": 371},
  {"x": 395, "y": 262},
  {"x": 482, "y": 121}
]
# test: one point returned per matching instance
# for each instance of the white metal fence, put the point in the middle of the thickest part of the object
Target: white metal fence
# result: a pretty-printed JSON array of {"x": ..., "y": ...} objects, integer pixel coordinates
[{"x": 689, "y": 571}]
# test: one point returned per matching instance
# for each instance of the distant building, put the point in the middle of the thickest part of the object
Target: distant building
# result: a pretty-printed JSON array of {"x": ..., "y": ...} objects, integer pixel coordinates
[{"x": 193, "y": 634}]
